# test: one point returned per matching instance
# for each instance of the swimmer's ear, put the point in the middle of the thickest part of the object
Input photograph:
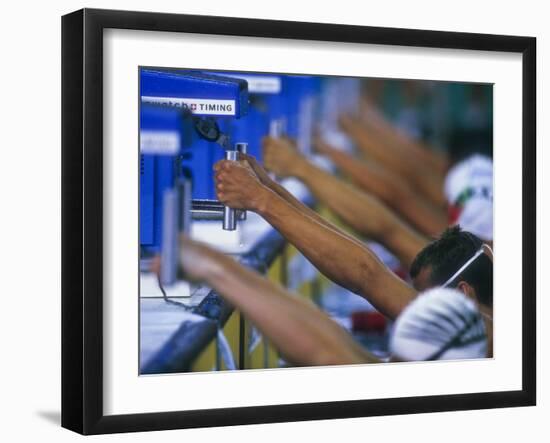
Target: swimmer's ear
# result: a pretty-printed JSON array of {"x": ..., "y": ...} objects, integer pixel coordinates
[{"x": 467, "y": 290}]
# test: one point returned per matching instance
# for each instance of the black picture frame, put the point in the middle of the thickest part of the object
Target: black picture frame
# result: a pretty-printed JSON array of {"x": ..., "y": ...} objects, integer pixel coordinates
[{"x": 82, "y": 218}]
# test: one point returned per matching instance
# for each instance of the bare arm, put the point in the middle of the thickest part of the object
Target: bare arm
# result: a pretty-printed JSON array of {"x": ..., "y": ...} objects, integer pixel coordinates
[
  {"x": 434, "y": 160},
  {"x": 299, "y": 330},
  {"x": 345, "y": 261},
  {"x": 399, "y": 161},
  {"x": 390, "y": 188},
  {"x": 361, "y": 211},
  {"x": 288, "y": 197}
]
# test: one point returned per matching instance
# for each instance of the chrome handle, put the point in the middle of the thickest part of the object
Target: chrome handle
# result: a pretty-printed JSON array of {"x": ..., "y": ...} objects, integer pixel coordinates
[{"x": 229, "y": 219}]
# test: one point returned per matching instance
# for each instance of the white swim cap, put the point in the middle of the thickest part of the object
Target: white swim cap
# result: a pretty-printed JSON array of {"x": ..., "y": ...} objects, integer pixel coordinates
[
  {"x": 475, "y": 171},
  {"x": 469, "y": 191},
  {"x": 477, "y": 217},
  {"x": 440, "y": 324}
]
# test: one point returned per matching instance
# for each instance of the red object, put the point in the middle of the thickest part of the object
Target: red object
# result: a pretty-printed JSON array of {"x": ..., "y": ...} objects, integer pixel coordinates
[
  {"x": 368, "y": 321},
  {"x": 453, "y": 213},
  {"x": 402, "y": 273}
]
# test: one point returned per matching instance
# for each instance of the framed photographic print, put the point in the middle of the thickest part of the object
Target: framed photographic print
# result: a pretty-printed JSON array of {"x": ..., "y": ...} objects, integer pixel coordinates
[{"x": 270, "y": 221}]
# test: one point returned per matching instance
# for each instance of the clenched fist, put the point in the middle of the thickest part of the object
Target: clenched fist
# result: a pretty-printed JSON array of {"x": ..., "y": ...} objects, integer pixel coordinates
[
  {"x": 238, "y": 186},
  {"x": 198, "y": 261},
  {"x": 281, "y": 157},
  {"x": 320, "y": 146}
]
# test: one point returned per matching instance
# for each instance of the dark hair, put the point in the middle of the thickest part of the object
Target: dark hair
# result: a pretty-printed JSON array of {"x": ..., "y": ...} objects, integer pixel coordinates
[
  {"x": 464, "y": 143},
  {"x": 448, "y": 254}
]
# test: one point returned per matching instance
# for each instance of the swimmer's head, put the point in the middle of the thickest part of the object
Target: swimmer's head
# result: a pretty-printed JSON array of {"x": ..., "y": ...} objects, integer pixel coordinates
[
  {"x": 440, "y": 324},
  {"x": 437, "y": 265}
]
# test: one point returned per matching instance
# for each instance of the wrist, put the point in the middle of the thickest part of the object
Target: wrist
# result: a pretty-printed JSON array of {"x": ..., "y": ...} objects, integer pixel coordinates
[{"x": 260, "y": 202}]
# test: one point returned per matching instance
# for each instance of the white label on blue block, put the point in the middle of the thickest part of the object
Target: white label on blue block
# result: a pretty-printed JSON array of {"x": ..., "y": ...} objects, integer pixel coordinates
[
  {"x": 159, "y": 142},
  {"x": 261, "y": 84},
  {"x": 198, "y": 106}
]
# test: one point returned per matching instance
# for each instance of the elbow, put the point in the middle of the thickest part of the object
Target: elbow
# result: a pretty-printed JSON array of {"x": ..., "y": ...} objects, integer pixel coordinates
[
  {"x": 321, "y": 349},
  {"x": 331, "y": 357},
  {"x": 369, "y": 273}
]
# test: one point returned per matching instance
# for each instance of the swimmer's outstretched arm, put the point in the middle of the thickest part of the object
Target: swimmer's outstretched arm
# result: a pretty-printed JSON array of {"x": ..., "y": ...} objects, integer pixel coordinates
[
  {"x": 297, "y": 328},
  {"x": 389, "y": 188},
  {"x": 361, "y": 211},
  {"x": 288, "y": 197},
  {"x": 373, "y": 118},
  {"x": 343, "y": 260},
  {"x": 401, "y": 162}
]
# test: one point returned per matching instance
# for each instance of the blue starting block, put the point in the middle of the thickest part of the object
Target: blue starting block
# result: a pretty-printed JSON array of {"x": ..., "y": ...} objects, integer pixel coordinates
[{"x": 184, "y": 119}]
